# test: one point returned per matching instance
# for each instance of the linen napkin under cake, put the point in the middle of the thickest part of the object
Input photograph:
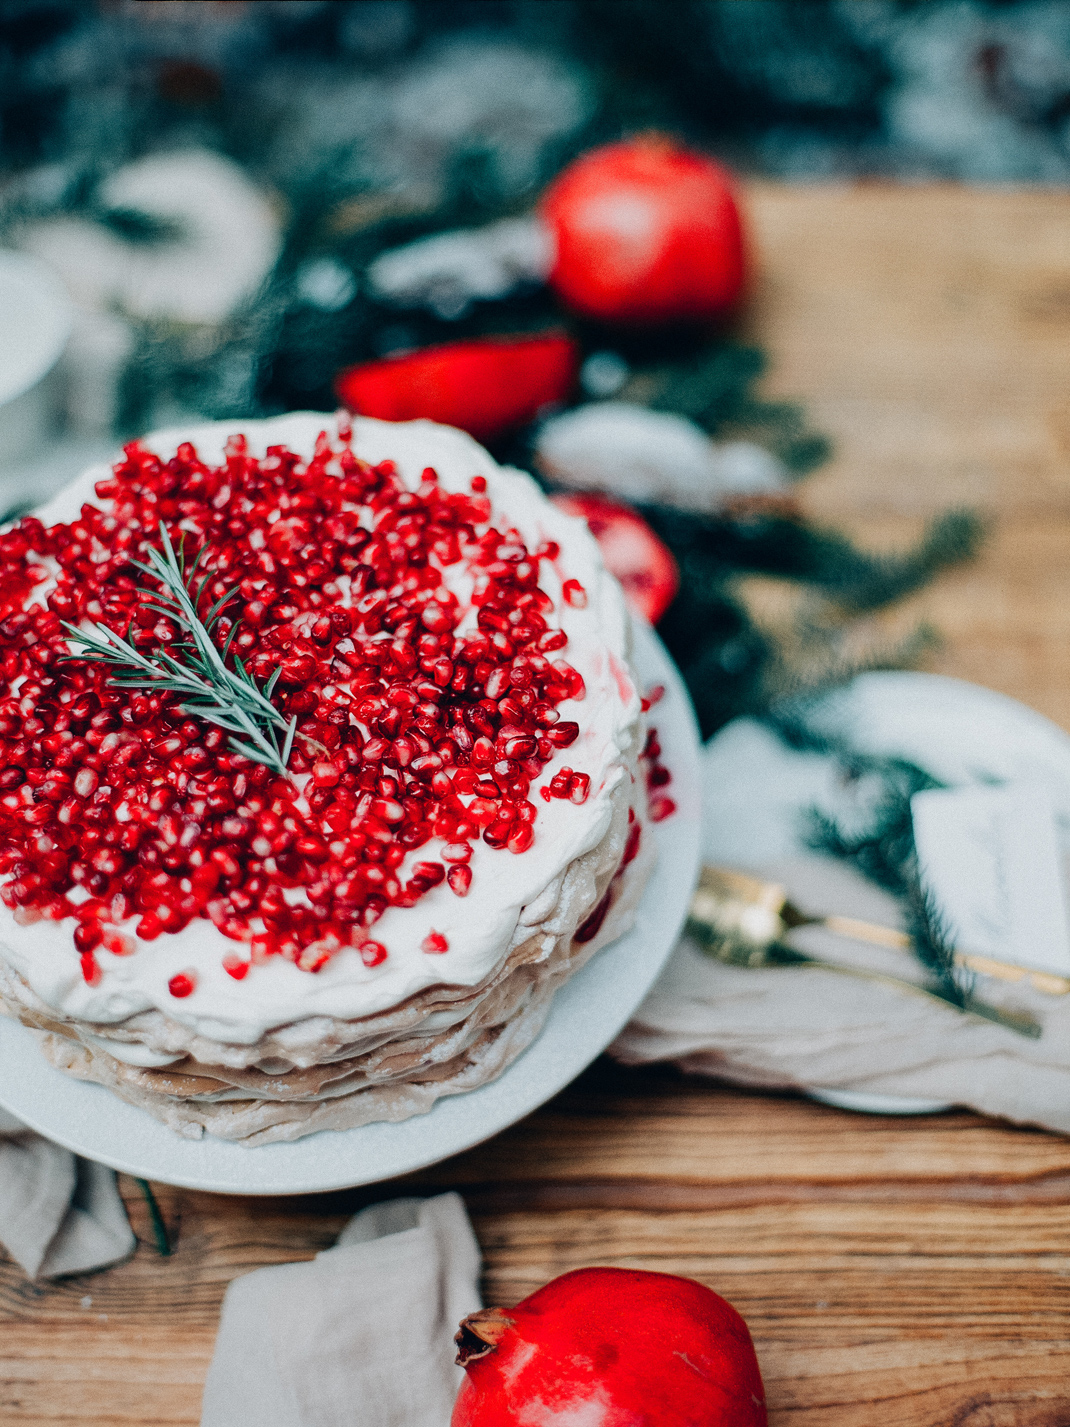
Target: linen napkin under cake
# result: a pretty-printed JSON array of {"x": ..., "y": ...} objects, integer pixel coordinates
[
  {"x": 59, "y": 1214},
  {"x": 361, "y": 1334}
]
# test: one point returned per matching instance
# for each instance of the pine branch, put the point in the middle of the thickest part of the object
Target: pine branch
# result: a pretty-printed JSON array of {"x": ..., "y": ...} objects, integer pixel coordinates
[
  {"x": 884, "y": 849},
  {"x": 196, "y": 671}
]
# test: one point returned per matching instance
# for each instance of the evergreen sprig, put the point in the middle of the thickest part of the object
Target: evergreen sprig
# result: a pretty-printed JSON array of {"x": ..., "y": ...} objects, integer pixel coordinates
[
  {"x": 196, "y": 670},
  {"x": 884, "y": 849}
]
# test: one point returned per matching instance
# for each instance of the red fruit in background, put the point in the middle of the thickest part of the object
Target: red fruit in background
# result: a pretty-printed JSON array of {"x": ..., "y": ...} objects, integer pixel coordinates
[
  {"x": 647, "y": 232},
  {"x": 485, "y": 386},
  {"x": 610, "y": 1347},
  {"x": 641, "y": 562}
]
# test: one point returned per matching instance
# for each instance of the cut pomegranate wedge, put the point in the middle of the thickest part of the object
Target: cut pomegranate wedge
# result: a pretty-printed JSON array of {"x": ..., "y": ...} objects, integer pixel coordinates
[
  {"x": 486, "y": 386},
  {"x": 641, "y": 562}
]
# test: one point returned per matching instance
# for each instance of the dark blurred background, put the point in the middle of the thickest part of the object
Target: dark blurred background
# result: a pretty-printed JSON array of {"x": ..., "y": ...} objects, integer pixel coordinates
[
  {"x": 214, "y": 184},
  {"x": 355, "y": 127}
]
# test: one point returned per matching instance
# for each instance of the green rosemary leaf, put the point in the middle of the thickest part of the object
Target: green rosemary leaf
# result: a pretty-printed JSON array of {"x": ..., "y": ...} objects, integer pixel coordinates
[{"x": 194, "y": 669}]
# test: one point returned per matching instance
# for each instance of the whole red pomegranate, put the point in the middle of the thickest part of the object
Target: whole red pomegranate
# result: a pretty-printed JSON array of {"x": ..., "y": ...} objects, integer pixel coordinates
[
  {"x": 646, "y": 232},
  {"x": 610, "y": 1347}
]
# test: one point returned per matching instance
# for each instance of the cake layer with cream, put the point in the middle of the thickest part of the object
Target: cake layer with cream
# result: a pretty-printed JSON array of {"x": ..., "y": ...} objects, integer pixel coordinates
[{"x": 302, "y": 1007}]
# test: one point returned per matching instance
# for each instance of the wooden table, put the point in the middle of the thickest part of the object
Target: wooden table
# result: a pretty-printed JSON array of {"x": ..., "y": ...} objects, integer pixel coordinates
[{"x": 909, "y": 1272}]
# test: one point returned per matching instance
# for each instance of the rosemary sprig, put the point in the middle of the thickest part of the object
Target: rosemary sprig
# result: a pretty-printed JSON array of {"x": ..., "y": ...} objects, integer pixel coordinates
[{"x": 196, "y": 670}]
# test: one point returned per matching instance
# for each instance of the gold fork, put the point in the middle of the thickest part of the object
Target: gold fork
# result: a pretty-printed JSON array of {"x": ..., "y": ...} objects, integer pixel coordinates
[{"x": 741, "y": 920}]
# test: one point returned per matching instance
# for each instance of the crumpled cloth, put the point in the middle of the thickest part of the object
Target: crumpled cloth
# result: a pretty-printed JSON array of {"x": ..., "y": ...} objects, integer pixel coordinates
[
  {"x": 59, "y": 1214},
  {"x": 806, "y": 1028},
  {"x": 361, "y": 1334}
]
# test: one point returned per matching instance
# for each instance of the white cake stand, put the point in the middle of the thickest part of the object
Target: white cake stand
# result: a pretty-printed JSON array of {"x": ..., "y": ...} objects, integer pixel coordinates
[{"x": 586, "y": 1015}]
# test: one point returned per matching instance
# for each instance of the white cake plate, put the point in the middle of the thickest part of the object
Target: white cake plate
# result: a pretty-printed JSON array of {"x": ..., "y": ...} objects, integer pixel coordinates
[{"x": 585, "y": 1016}]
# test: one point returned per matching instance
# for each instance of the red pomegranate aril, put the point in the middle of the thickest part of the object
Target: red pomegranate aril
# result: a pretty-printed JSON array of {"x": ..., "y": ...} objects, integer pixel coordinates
[
  {"x": 428, "y": 874},
  {"x": 182, "y": 985},
  {"x": 434, "y": 944},
  {"x": 91, "y": 972},
  {"x": 497, "y": 833},
  {"x": 326, "y": 774},
  {"x": 578, "y": 788},
  {"x": 559, "y": 783},
  {"x": 561, "y": 735},
  {"x": 482, "y": 811},
  {"x": 236, "y": 966},
  {"x": 520, "y": 837},
  {"x": 518, "y": 746},
  {"x": 574, "y": 594},
  {"x": 661, "y": 808},
  {"x": 88, "y": 935},
  {"x": 85, "y": 782},
  {"x": 482, "y": 754},
  {"x": 372, "y": 953},
  {"x": 460, "y": 880},
  {"x": 497, "y": 682}
]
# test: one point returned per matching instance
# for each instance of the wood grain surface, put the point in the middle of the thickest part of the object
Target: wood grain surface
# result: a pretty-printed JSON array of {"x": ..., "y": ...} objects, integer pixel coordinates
[{"x": 906, "y": 1272}]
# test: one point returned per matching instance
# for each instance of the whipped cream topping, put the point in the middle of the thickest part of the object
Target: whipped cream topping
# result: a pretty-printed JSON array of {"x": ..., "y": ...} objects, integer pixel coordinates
[{"x": 479, "y": 928}]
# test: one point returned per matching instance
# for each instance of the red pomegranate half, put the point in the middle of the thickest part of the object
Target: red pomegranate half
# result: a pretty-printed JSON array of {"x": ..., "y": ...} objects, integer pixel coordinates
[
  {"x": 610, "y": 1347},
  {"x": 486, "y": 386},
  {"x": 642, "y": 563}
]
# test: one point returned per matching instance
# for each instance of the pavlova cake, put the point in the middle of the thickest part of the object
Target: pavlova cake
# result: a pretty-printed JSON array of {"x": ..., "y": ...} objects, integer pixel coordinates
[{"x": 318, "y": 771}]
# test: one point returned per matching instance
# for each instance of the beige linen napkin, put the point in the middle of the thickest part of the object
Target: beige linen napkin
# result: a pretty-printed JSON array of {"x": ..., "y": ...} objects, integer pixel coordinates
[
  {"x": 58, "y": 1214},
  {"x": 361, "y": 1335},
  {"x": 797, "y": 1027}
]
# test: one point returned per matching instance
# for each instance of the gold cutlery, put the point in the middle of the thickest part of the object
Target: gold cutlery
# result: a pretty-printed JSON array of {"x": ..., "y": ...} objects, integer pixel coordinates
[{"x": 742, "y": 920}]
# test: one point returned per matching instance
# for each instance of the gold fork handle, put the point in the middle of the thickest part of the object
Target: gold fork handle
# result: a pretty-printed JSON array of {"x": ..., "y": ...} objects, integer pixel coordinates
[
  {"x": 1045, "y": 981},
  {"x": 868, "y": 931}
]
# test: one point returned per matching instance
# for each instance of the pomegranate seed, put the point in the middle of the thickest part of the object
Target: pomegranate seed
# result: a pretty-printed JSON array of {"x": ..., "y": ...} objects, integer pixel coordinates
[
  {"x": 563, "y": 734},
  {"x": 326, "y": 774},
  {"x": 460, "y": 880},
  {"x": 574, "y": 594},
  {"x": 372, "y": 953},
  {"x": 85, "y": 782},
  {"x": 661, "y": 808},
  {"x": 578, "y": 788},
  {"x": 456, "y": 852},
  {"x": 90, "y": 970},
  {"x": 482, "y": 811},
  {"x": 183, "y": 984},
  {"x": 519, "y": 746},
  {"x": 88, "y": 935},
  {"x": 434, "y": 944},
  {"x": 235, "y": 966},
  {"x": 498, "y": 832}
]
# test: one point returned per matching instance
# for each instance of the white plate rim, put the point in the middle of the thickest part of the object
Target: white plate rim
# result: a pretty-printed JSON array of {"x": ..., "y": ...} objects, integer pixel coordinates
[{"x": 586, "y": 1015}]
